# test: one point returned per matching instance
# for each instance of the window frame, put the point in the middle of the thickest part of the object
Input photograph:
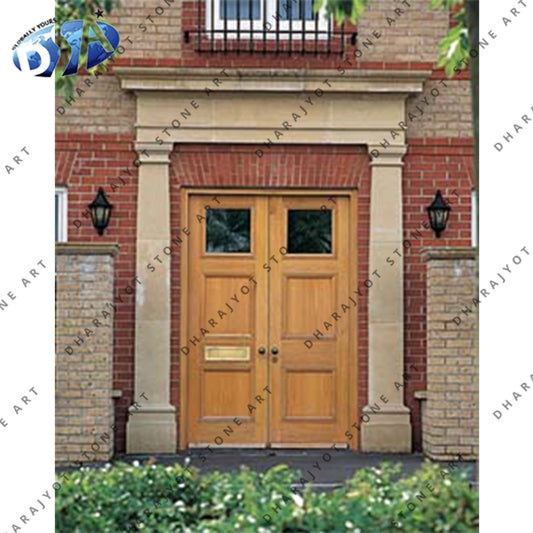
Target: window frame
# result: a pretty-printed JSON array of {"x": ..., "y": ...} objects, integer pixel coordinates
[
  {"x": 258, "y": 25},
  {"x": 61, "y": 216}
]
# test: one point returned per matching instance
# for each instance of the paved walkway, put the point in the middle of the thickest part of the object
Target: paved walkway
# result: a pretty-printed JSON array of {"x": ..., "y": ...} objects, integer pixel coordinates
[
  {"x": 342, "y": 465},
  {"x": 332, "y": 473}
]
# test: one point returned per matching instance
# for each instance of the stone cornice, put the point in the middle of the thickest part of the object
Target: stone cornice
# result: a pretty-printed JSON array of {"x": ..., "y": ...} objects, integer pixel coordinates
[
  {"x": 271, "y": 80},
  {"x": 64, "y": 248}
]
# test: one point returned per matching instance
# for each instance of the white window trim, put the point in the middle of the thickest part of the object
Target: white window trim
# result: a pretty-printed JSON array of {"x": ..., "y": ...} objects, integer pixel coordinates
[
  {"x": 258, "y": 25},
  {"x": 62, "y": 213}
]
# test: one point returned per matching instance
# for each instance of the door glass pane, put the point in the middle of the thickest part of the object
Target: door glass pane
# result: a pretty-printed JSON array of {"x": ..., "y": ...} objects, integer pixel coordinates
[
  {"x": 309, "y": 231},
  {"x": 228, "y": 9},
  {"x": 228, "y": 230}
]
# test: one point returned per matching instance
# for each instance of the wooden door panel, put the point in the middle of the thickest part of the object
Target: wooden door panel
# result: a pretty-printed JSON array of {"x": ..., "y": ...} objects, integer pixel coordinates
[
  {"x": 304, "y": 298},
  {"x": 308, "y": 394},
  {"x": 226, "y": 393},
  {"x": 230, "y": 311}
]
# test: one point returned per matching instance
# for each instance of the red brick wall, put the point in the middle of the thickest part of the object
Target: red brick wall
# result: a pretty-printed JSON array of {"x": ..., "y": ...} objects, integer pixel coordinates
[
  {"x": 85, "y": 162},
  {"x": 430, "y": 164}
]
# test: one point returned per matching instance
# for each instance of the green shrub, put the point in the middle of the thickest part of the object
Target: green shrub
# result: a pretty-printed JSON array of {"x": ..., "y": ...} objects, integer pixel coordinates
[{"x": 153, "y": 498}]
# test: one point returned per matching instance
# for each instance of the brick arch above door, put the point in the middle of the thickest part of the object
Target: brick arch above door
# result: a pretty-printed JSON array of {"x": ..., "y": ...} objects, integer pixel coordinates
[
  {"x": 361, "y": 108},
  {"x": 286, "y": 165}
]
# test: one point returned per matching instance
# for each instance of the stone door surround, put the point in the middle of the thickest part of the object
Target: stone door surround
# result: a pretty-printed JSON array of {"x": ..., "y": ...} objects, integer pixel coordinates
[{"x": 246, "y": 106}]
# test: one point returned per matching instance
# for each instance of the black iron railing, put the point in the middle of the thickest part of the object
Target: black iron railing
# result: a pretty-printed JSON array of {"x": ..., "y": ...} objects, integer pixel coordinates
[{"x": 252, "y": 26}]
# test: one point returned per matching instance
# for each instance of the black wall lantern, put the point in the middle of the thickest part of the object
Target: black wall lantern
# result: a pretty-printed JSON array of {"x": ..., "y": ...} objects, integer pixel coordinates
[
  {"x": 100, "y": 211},
  {"x": 438, "y": 213}
]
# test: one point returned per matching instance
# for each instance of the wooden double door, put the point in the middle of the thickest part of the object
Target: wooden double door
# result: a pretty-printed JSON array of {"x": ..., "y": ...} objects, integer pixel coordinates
[{"x": 264, "y": 273}]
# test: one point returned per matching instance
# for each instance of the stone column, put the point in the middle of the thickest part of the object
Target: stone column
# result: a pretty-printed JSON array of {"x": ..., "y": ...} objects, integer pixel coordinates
[
  {"x": 152, "y": 428},
  {"x": 387, "y": 429}
]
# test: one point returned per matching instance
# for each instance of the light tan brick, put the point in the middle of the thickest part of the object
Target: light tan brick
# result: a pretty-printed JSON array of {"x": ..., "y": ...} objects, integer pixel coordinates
[{"x": 84, "y": 406}]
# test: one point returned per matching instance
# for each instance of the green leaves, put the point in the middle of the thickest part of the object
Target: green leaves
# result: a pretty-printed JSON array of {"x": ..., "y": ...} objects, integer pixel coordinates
[
  {"x": 446, "y": 4},
  {"x": 76, "y": 10},
  {"x": 342, "y": 10},
  {"x": 167, "y": 499},
  {"x": 455, "y": 47}
]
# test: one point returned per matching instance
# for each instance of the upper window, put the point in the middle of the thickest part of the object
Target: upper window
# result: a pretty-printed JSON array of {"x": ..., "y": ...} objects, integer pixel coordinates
[
  {"x": 61, "y": 213},
  {"x": 279, "y": 19},
  {"x": 265, "y": 26}
]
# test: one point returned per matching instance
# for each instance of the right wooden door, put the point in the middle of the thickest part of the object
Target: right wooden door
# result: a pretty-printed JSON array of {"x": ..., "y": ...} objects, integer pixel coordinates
[{"x": 309, "y": 236}]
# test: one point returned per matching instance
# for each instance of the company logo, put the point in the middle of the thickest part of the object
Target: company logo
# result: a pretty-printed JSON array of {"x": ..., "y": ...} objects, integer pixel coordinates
[{"x": 38, "y": 54}]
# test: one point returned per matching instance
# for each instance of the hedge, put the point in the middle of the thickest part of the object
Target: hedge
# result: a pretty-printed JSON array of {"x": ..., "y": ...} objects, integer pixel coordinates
[{"x": 154, "y": 498}]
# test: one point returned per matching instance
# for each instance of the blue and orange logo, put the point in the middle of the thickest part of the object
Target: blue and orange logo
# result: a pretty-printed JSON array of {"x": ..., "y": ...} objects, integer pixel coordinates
[{"x": 38, "y": 53}]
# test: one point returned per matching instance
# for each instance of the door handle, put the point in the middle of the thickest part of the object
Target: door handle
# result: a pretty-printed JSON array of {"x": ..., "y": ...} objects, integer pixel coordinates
[
  {"x": 274, "y": 351},
  {"x": 262, "y": 350}
]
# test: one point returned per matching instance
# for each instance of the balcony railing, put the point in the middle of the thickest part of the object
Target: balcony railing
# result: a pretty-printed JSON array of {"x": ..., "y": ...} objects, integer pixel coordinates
[{"x": 263, "y": 26}]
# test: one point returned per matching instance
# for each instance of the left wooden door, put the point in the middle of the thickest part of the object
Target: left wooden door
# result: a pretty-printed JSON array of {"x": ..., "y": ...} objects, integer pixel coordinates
[{"x": 227, "y": 322}]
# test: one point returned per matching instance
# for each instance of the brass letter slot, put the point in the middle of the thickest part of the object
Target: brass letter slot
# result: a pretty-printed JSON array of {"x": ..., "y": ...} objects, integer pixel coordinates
[{"x": 227, "y": 353}]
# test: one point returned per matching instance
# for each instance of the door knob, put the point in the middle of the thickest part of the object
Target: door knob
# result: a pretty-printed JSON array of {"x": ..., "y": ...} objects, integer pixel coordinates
[
  {"x": 262, "y": 350},
  {"x": 275, "y": 350}
]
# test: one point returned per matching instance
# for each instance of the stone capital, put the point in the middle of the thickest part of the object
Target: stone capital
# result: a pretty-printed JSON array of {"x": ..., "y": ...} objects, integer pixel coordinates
[
  {"x": 154, "y": 153},
  {"x": 392, "y": 156}
]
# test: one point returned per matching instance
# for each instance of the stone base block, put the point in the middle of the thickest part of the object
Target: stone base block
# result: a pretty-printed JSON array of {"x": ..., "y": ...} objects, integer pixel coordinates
[
  {"x": 387, "y": 431},
  {"x": 152, "y": 430}
]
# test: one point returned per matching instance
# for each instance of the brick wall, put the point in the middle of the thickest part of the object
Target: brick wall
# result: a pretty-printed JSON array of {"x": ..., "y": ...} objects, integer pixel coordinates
[
  {"x": 447, "y": 113},
  {"x": 410, "y": 35},
  {"x": 430, "y": 164},
  {"x": 85, "y": 162},
  {"x": 152, "y": 35},
  {"x": 156, "y": 30},
  {"x": 101, "y": 107},
  {"x": 84, "y": 375},
  {"x": 451, "y": 421}
]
